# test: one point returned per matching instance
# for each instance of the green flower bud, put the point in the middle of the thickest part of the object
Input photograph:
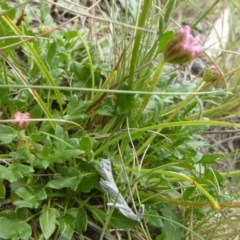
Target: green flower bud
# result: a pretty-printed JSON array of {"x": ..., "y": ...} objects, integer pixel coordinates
[{"x": 211, "y": 74}]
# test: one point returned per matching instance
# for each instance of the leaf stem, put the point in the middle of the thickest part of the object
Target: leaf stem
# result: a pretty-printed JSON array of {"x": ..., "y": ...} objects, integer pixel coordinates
[
  {"x": 183, "y": 177},
  {"x": 151, "y": 89},
  {"x": 136, "y": 48}
]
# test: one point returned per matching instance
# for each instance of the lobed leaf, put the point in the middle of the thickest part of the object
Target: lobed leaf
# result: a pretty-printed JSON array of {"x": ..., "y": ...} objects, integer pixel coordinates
[
  {"x": 48, "y": 221},
  {"x": 68, "y": 178},
  {"x": 13, "y": 228},
  {"x": 14, "y": 172},
  {"x": 32, "y": 196}
]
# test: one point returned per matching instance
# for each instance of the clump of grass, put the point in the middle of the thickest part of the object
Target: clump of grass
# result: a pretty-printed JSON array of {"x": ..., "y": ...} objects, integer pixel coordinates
[{"x": 108, "y": 93}]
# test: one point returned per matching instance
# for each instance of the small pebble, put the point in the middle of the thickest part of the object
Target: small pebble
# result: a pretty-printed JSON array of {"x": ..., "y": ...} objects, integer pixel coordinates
[{"x": 198, "y": 66}]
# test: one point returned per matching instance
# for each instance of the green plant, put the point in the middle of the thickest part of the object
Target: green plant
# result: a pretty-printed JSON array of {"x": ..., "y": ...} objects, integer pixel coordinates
[{"x": 92, "y": 99}]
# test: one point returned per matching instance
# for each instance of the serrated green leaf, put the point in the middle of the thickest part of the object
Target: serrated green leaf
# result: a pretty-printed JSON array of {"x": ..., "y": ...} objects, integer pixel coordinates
[
  {"x": 31, "y": 196},
  {"x": 73, "y": 142},
  {"x": 7, "y": 134},
  {"x": 75, "y": 108},
  {"x": 81, "y": 220},
  {"x": 106, "y": 107},
  {"x": 20, "y": 170},
  {"x": 13, "y": 228},
  {"x": 63, "y": 156},
  {"x": 211, "y": 158},
  {"x": 69, "y": 178},
  {"x": 21, "y": 154},
  {"x": 14, "y": 172},
  {"x": 105, "y": 110},
  {"x": 48, "y": 220}
]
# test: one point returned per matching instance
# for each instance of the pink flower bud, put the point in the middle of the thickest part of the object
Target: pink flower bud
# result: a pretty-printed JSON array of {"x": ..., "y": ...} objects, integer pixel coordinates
[
  {"x": 211, "y": 74},
  {"x": 182, "y": 47},
  {"x": 23, "y": 119}
]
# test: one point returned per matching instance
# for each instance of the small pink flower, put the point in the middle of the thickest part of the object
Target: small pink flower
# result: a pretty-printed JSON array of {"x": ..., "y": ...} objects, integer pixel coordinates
[
  {"x": 23, "y": 119},
  {"x": 182, "y": 47}
]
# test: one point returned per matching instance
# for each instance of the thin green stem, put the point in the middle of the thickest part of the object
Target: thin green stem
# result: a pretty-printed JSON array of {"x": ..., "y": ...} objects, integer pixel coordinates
[
  {"x": 37, "y": 59},
  {"x": 80, "y": 89},
  {"x": 151, "y": 89},
  {"x": 157, "y": 198},
  {"x": 90, "y": 64},
  {"x": 158, "y": 127},
  {"x": 136, "y": 48},
  {"x": 223, "y": 107},
  {"x": 181, "y": 177},
  {"x": 203, "y": 16},
  {"x": 235, "y": 173},
  {"x": 30, "y": 159}
]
